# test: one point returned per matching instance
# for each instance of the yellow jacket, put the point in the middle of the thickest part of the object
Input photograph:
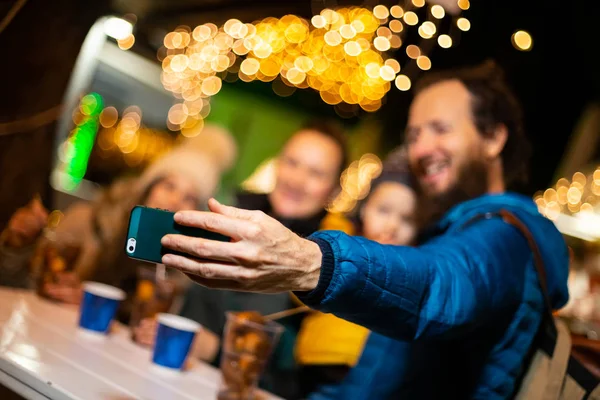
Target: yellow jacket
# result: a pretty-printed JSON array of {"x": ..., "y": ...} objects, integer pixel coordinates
[{"x": 325, "y": 338}]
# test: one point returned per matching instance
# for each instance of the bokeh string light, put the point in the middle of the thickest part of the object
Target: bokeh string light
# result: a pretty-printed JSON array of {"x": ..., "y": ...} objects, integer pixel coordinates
[
  {"x": 356, "y": 183},
  {"x": 340, "y": 53},
  {"x": 124, "y": 138},
  {"x": 570, "y": 197},
  {"x": 522, "y": 40},
  {"x": 127, "y": 138}
]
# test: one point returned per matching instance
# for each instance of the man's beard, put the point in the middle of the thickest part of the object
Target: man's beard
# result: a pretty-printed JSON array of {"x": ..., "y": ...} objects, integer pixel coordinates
[{"x": 471, "y": 182}]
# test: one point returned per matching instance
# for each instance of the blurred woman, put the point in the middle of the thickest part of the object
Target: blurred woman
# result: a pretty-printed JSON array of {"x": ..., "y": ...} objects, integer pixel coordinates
[
  {"x": 183, "y": 178},
  {"x": 328, "y": 347}
]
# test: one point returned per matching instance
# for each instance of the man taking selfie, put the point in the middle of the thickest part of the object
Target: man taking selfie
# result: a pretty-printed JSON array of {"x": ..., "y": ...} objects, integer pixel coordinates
[{"x": 455, "y": 317}]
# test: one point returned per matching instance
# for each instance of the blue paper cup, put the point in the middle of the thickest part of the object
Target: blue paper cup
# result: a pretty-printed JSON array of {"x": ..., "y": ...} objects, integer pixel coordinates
[
  {"x": 174, "y": 339},
  {"x": 99, "y": 306}
]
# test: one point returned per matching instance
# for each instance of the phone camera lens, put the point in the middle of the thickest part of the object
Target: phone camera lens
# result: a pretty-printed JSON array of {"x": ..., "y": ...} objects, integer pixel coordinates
[{"x": 130, "y": 248}]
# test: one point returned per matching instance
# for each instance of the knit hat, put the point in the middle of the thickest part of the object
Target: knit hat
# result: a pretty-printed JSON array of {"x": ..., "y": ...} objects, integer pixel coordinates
[
  {"x": 395, "y": 169},
  {"x": 202, "y": 158}
]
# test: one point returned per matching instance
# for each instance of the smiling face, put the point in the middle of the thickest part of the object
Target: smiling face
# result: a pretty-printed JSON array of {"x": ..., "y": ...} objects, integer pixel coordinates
[
  {"x": 388, "y": 216},
  {"x": 307, "y": 175},
  {"x": 448, "y": 156}
]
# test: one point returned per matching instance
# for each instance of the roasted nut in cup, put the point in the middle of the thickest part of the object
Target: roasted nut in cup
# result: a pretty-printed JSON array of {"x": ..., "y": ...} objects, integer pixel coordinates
[{"x": 249, "y": 341}]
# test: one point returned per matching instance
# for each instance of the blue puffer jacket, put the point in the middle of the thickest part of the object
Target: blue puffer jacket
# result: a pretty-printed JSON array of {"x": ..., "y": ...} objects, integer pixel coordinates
[{"x": 453, "y": 318}]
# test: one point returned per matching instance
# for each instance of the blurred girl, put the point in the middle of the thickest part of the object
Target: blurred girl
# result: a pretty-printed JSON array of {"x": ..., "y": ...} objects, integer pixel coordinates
[
  {"x": 183, "y": 178},
  {"x": 328, "y": 347}
]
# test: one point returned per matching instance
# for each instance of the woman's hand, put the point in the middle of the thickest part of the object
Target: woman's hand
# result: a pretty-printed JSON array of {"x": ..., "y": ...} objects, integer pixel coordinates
[
  {"x": 263, "y": 255},
  {"x": 67, "y": 289},
  {"x": 145, "y": 333},
  {"x": 26, "y": 224}
]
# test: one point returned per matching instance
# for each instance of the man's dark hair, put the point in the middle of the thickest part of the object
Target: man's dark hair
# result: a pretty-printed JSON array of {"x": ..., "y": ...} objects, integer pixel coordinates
[
  {"x": 332, "y": 130},
  {"x": 493, "y": 103}
]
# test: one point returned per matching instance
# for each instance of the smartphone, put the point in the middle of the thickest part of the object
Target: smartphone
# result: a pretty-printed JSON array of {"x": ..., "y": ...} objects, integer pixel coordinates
[{"x": 147, "y": 226}]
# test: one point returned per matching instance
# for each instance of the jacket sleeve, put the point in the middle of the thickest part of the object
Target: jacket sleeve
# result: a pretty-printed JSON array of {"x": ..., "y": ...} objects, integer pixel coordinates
[{"x": 449, "y": 285}]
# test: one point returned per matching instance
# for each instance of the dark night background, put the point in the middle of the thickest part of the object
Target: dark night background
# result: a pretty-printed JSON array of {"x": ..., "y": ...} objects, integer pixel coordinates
[{"x": 554, "y": 81}]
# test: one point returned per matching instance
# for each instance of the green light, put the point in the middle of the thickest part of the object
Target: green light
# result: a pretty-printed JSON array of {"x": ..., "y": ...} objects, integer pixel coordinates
[
  {"x": 91, "y": 104},
  {"x": 82, "y": 141}
]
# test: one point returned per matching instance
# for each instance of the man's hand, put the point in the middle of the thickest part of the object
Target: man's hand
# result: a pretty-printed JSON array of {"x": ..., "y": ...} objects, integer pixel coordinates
[{"x": 263, "y": 256}]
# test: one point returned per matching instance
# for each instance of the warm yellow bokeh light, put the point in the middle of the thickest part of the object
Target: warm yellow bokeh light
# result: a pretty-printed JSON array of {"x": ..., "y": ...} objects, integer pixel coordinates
[
  {"x": 396, "y": 26},
  {"x": 200, "y": 33},
  {"x": 579, "y": 178},
  {"x": 596, "y": 177},
  {"x": 394, "y": 64},
  {"x": 352, "y": 48},
  {"x": 295, "y": 76},
  {"x": 230, "y": 24},
  {"x": 411, "y": 18},
  {"x": 403, "y": 82},
  {"x": 395, "y": 42},
  {"x": 429, "y": 28},
  {"x": 521, "y": 40},
  {"x": 108, "y": 117},
  {"x": 381, "y": 12},
  {"x": 127, "y": 43},
  {"x": 552, "y": 210},
  {"x": 250, "y": 66},
  {"x": 445, "y": 41},
  {"x": 464, "y": 4},
  {"x": 179, "y": 63},
  {"x": 438, "y": 11},
  {"x": 550, "y": 195},
  {"x": 574, "y": 195},
  {"x": 340, "y": 54},
  {"x": 562, "y": 194},
  {"x": 413, "y": 51},
  {"x": 263, "y": 50},
  {"x": 304, "y": 63},
  {"x": 211, "y": 85},
  {"x": 463, "y": 24},
  {"x": 424, "y": 63},
  {"x": 318, "y": 21},
  {"x": 387, "y": 73},
  {"x": 364, "y": 44},
  {"x": 358, "y": 25},
  {"x": 381, "y": 43},
  {"x": 177, "y": 114},
  {"x": 372, "y": 70},
  {"x": 333, "y": 38},
  {"x": 347, "y": 31},
  {"x": 396, "y": 11},
  {"x": 385, "y": 32}
]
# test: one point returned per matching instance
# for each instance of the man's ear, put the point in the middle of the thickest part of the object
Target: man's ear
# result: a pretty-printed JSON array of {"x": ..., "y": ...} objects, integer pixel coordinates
[{"x": 495, "y": 141}]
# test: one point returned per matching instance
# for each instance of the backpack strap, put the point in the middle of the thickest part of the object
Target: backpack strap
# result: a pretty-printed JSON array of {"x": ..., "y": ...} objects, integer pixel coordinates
[
  {"x": 538, "y": 261},
  {"x": 543, "y": 381}
]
